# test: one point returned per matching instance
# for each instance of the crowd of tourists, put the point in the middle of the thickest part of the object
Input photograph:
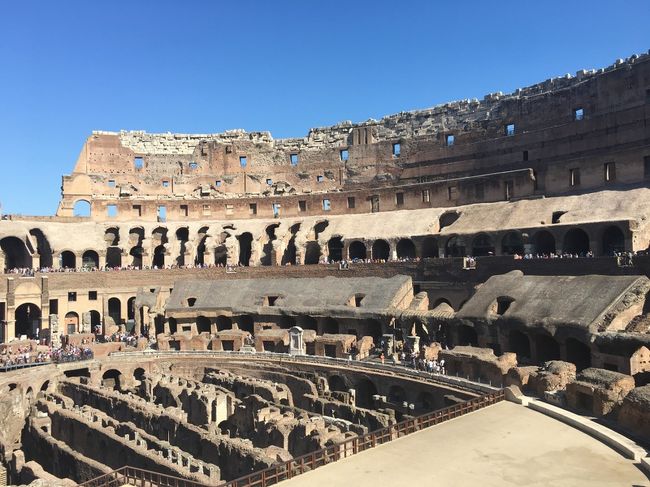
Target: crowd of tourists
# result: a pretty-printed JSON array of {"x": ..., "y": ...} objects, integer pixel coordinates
[{"x": 23, "y": 356}]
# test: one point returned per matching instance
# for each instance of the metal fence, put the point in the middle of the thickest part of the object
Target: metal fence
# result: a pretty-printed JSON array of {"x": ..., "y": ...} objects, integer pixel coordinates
[{"x": 310, "y": 461}]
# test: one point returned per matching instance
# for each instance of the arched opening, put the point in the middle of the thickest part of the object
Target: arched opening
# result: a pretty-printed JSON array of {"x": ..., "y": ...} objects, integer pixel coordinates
[
  {"x": 357, "y": 250},
  {"x": 335, "y": 249},
  {"x": 68, "y": 260},
  {"x": 331, "y": 326},
  {"x": 286, "y": 322},
  {"x": 138, "y": 374},
  {"x": 111, "y": 379},
  {"x": 90, "y": 259},
  {"x": 203, "y": 324},
  {"x": 136, "y": 256},
  {"x": 576, "y": 241},
  {"x": 113, "y": 257},
  {"x": 396, "y": 394},
  {"x": 365, "y": 390},
  {"x": 115, "y": 310},
  {"x": 544, "y": 242},
  {"x": 482, "y": 245},
  {"x": 455, "y": 247},
  {"x": 223, "y": 323},
  {"x": 130, "y": 308},
  {"x": 221, "y": 255},
  {"x": 71, "y": 322},
  {"x": 519, "y": 343},
  {"x": 200, "y": 251},
  {"x": 45, "y": 386},
  {"x": 81, "y": 208},
  {"x": 159, "y": 257},
  {"x": 182, "y": 235},
  {"x": 43, "y": 247},
  {"x": 467, "y": 336},
  {"x": 512, "y": 243},
  {"x": 112, "y": 236},
  {"x": 448, "y": 218},
  {"x": 613, "y": 241},
  {"x": 578, "y": 353},
  {"x": 380, "y": 250},
  {"x": 29, "y": 394},
  {"x": 173, "y": 327},
  {"x": 268, "y": 257},
  {"x": 28, "y": 320},
  {"x": 16, "y": 253},
  {"x": 312, "y": 253},
  {"x": 336, "y": 383},
  {"x": 405, "y": 249},
  {"x": 430, "y": 247},
  {"x": 290, "y": 251},
  {"x": 547, "y": 348},
  {"x": 95, "y": 320},
  {"x": 245, "y": 241},
  {"x": 246, "y": 323},
  {"x": 308, "y": 323}
]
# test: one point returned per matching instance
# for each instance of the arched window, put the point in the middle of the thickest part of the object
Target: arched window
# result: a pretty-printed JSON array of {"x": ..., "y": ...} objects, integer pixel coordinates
[
  {"x": 512, "y": 243},
  {"x": 335, "y": 249},
  {"x": 405, "y": 249},
  {"x": 430, "y": 247},
  {"x": 380, "y": 250},
  {"x": 576, "y": 241},
  {"x": 613, "y": 240},
  {"x": 357, "y": 250},
  {"x": 245, "y": 241},
  {"x": 482, "y": 245},
  {"x": 81, "y": 208},
  {"x": 455, "y": 247},
  {"x": 90, "y": 259},
  {"x": 543, "y": 242}
]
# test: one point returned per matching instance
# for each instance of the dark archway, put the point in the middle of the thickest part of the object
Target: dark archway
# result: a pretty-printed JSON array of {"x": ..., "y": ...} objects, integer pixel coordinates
[
  {"x": 159, "y": 257},
  {"x": 576, "y": 241},
  {"x": 115, "y": 310},
  {"x": 245, "y": 241},
  {"x": 467, "y": 336},
  {"x": 482, "y": 245},
  {"x": 613, "y": 240},
  {"x": 28, "y": 320},
  {"x": 16, "y": 253},
  {"x": 221, "y": 255},
  {"x": 430, "y": 247},
  {"x": 380, "y": 250},
  {"x": 42, "y": 247},
  {"x": 112, "y": 236},
  {"x": 223, "y": 323},
  {"x": 290, "y": 251},
  {"x": 308, "y": 323},
  {"x": 357, "y": 250},
  {"x": 335, "y": 249},
  {"x": 113, "y": 257},
  {"x": 365, "y": 390},
  {"x": 90, "y": 259},
  {"x": 406, "y": 249},
  {"x": 68, "y": 259},
  {"x": 95, "y": 320},
  {"x": 455, "y": 247},
  {"x": 130, "y": 308},
  {"x": 578, "y": 353},
  {"x": 246, "y": 323},
  {"x": 138, "y": 374},
  {"x": 203, "y": 324},
  {"x": 544, "y": 242},
  {"x": 396, "y": 394},
  {"x": 182, "y": 235},
  {"x": 519, "y": 343},
  {"x": 512, "y": 243},
  {"x": 547, "y": 348},
  {"x": 336, "y": 383},
  {"x": 268, "y": 257},
  {"x": 111, "y": 379},
  {"x": 331, "y": 326},
  {"x": 312, "y": 253},
  {"x": 136, "y": 256}
]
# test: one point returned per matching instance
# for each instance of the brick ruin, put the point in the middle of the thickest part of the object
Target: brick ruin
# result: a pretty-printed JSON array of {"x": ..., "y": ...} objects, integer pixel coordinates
[{"x": 508, "y": 236}]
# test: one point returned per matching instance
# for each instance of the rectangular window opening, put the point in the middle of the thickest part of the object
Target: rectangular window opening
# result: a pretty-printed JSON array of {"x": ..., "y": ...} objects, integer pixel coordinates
[
  {"x": 351, "y": 202},
  {"x": 162, "y": 213},
  {"x": 185, "y": 210},
  {"x": 138, "y": 162},
  {"x": 72, "y": 296},
  {"x": 276, "y": 209},
  {"x": 399, "y": 199},
  {"x": 270, "y": 300},
  {"x": 327, "y": 206},
  {"x": 165, "y": 184},
  {"x": 243, "y": 161},
  {"x": 111, "y": 183},
  {"x": 269, "y": 182},
  {"x": 344, "y": 154},
  {"x": 217, "y": 183},
  {"x": 319, "y": 179},
  {"x": 525, "y": 155},
  {"x": 450, "y": 140},
  {"x": 610, "y": 172},
  {"x": 574, "y": 177},
  {"x": 137, "y": 210},
  {"x": 294, "y": 159},
  {"x": 510, "y": 129},
  {"x": 92, "y": 295},
  {"x": 579, "y": 114},
  {"x": 111, "y": 211},
  {"x": 252, "y": 208},
  {"x": 193, "y": 166},
  {"x": 397, "y": 149},
  {"x": 452, "y": 192},
  {"x": 302, "y": 205},
  {"x": 426, "y": 196},
  {"x": 508, "y": 190}
]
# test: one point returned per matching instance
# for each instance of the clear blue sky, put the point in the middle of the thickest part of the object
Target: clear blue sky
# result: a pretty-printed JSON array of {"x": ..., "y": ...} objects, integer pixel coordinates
[{"x": 70, "y": 67}]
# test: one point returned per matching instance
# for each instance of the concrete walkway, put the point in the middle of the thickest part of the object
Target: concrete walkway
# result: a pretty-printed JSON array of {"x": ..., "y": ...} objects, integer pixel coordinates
[{"x": 502, "y": 445}]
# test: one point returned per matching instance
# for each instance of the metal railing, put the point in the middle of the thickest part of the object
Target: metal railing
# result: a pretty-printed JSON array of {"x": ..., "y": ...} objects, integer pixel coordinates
[
  {"x": 310, "y": 461},
  {"x": 139, "y": 477}
]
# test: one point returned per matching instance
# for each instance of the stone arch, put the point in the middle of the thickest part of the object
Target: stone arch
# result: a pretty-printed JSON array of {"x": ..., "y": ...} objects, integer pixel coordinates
[
  {"x": 578, "y": 353},
  {"x": 576, "y": 241},
  {"x": 290, "y": 252},
  {"x": 482, "y": 245},
  {"x": 512, "y": 243},
  {"x": 42, "y": 247},
  {"x": 71, "y": 322},
  {"x": 139, "y": 373},
  {"x": 613, "y": 240},
  {"x": 267, "y": 250},
  {"x": 245, "y": 248},
  {"x": 111, "y": 379},
  {"x": 335, "y": 249},
  {"x": 16, "y": 253},
  {"x": 130, "y": 308},
  {"x": 246, "y": 323},
  {"x": 113, "y": 257},
  {"x": 365, "y": 390},
  {"x": 430, "y": 248},
  {"x": 357, "y": 250},
  {"x": 115, "y": 310},
  {"x": 547, "y": 348},
  {"x": 159, "y": 256},
  {"x": 45, "y": 386},
  {"x": 95, "y": 319},
  {"x": 380, "y": 250},
  {"x": 406, "y": 249},
  {"x": 29, "y": 394},
  {"x": 182, "y": 235},
  {"x": 396, "y": 394},
  {"x": 519, "y": 343},
  {"x": 312, "y": 253},
  {"x": 90, "y": 259},
  {"x": 82, "y": 208},
  {"x": 337, "y": 383},
  {"x": 455, "y": 247},
  {"x": 544, "y": 242},
  {"x": 223, "y": 323},
  {"x": 28, "y": 319},
  {"x": 136, "y": 256},
  {"x": 68, "y": 259},
  {"x": 112, "y": 236},
  {"x": 203, "y": 324}
]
